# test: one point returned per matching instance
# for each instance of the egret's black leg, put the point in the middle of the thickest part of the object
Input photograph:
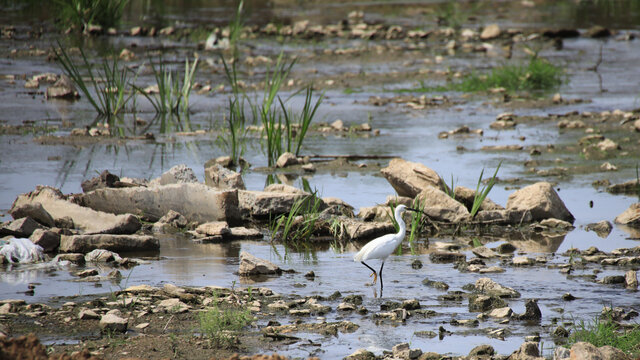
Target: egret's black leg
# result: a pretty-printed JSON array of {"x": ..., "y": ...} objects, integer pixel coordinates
[
  {"x": 375, "y": 274},
  {"x": 381, "y": 284}
]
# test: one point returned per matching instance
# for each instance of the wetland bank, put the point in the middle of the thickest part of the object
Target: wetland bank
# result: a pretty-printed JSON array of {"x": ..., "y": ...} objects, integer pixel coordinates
[{"x": 394, "y": 76}]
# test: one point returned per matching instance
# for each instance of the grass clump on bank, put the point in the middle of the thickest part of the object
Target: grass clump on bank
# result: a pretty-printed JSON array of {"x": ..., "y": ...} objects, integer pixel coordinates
[
  {"x": 604, "y": 331},
  {"x": 537, "y": 74},
  {"x": 221, "y": 325},
  {"x": 82, "y": 14}
]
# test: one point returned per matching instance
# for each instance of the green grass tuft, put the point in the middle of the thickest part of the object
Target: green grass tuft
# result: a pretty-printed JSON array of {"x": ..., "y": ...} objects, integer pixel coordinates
[
  {"x": 221, "y": 324},
  {"x": 603, "y": 331}
]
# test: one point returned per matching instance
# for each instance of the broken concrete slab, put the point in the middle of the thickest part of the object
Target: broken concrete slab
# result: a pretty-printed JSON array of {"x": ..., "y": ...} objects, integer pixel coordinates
[
  {"x": 195, "y": 201},
  {"x": 83, "y": 218},
  {"x": 117, "y": 243}
]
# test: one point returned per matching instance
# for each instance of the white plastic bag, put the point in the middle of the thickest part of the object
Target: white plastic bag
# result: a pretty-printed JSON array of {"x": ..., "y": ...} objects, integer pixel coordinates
[{"x": 17, "y": 250}]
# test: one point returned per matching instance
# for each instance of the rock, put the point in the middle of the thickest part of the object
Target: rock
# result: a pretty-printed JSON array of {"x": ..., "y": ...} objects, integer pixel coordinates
[
  {"x": 598, "y": 31},
  {"x": 195, "y": 201},
  {"x": 271, "y": 202},
  {"x": 503, "y": 217},
  {"x": 75, "y": 258},
  {"x": 482, "y": 303},
  {"x": 613, "y": 279},
  {"x": 607, "y": 145},
  {"x": 35, "y": 211},
  {"x": 219, "y": 177},
  {"x": 557, "y": 224},
  {"x": 358, "y": 230},
  {"x": 402, "y": 351},
  {"x": 490, "y": 32},
  {"x": 361, "y": 354},
  {"x": 113, "y": 323},
  {"x": 410, "y": 178},
  {"x": 522, "y": 261},
  {"x": 89, "y": 220},
  {"x": 631, "y": 280},
  {"x": 87, "y": 314},
  {"x": 440, "y": 285},
  {"x": 174, "y": 306},
  {"x": 62, "y": 89},
  {"x": 119, "y": 243},
  {"x": 245, "y": 233},
  {"x": 465, "y": 195},
  {"x": 607, "y": 166},
  {"x": 251, "y": 265},
  {"x": 628, "y": 187},
  {"x": 378, "y": 213},
  {"x": 174, "y": 219},
  {"x": 48, "y": 240},
  {"x": 441, "y": 207},
  {"x": 484, "y": 252},
  {"x": 602, "y": 228},
  {"x": 482, "y": 350},
  {"x": 287, "y": 159},
  {"x": 21, "y": 228},
  {"x": 179, "y": 174},
  {"x": 503, "y": 312},
  {"x": 527, "y": 351},
  {"x": 101, "y": 255},
  {"x": 441, "y": 257},
  {"x": 214, "y": 228},
  {"x": 506, "y": 248},
  {"x": 410, "y": 304},
  {"x": 611, "y": 353},
  {"x": 630, "y": 217},
  {"x": 561, "y": 353},
  {"x": 531, "y": 311},
  {"x": 541, "y": 200},
  {"x": 489, "y": 287},
  {"x": 337, "y": 125},
  {"x": 106, "y": 179}
]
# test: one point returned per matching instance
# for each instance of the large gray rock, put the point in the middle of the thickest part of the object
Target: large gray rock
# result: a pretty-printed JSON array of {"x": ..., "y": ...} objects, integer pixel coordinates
[
  {"x": 22, "y": 227},
  {"x": 410, "y": 178},
  {"x": 89, "y": 220},
  {"x": 466, "y": 195},
  {"x": 527, "y": 351},
  {"x": 113, "y": 323},
  {"x": 179, "y": 174},
  {"x": 503, "y": 217},
  {"x": 48, "y": 240},
  {"x": 490, "y": 287},
  {"x": 630, "y": 217},
  {"x": 541, "y": 200},
  {"x": 34, "y": 211},
  {"x": 441, "y": 207},
  {"x": 276, "y": 199},
  {"x": 195, "y": 201},
  {"x": 219, "y": 177},
  {"x": 251, "y": 265},
  {"x": 118, "y": 243},
  {"x": 588, "y": 351}
]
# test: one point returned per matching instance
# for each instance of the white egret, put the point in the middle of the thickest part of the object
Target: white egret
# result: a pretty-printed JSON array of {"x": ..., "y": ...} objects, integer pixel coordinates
[{"x": 383, "y": 246}]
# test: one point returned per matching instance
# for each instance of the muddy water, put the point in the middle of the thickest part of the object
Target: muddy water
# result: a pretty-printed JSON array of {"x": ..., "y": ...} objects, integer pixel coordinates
[{"x": 411, "y": 134}]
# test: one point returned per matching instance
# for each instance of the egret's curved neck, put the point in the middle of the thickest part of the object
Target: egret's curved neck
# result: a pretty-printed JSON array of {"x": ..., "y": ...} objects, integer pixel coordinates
[{"x": 401, "y": 225}]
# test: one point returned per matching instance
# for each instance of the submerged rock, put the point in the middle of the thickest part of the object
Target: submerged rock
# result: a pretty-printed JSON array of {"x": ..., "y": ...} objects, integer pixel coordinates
[
  {"x": 482, "y": 303},
  {"x": 602, "y": 228},
  {"x": 490, "y": 287},
  {"x": 541, "y": 200},
  {"x": 532, "y": 311},
  {"x": 62, "y": 89}
]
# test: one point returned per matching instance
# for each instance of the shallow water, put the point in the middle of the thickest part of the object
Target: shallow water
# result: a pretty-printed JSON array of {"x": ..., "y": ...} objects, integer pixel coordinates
[{"x": 406, "y": 133}]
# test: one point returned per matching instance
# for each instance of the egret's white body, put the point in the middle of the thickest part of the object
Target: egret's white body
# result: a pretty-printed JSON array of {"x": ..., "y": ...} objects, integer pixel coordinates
[{"x": 382, "y": 247}]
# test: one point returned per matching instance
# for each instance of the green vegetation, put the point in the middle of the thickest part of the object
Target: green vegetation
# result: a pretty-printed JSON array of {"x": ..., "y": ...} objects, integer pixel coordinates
[
  {"x": 605, "y": 331},
  {"x": 482, "y": 194},
  {"x": 235, "y": 27},
  {"x": 111, "y": 85},
  {"x": 284, "y": 130},
  {"x": 172, "y": 96},
  {"x": 222, "y": 323},
  {"x": 299, "y": 224},
  {"x": 417, "y": 220},
  {"x": 82, "y": 14},
  {"x": 538, "y": 74}
]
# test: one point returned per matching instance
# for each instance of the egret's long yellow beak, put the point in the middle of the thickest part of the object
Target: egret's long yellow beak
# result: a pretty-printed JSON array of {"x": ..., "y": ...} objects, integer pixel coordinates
[{"x": 375, "y": 277}]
